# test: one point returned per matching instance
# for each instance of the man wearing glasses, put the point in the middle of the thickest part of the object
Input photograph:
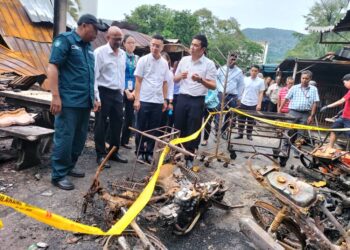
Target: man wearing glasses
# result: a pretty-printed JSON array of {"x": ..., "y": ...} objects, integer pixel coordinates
[
  {"x": 303, "y": 99},
  {"x": 234, "y": 88},
  {"x": 110, "y": 63}
]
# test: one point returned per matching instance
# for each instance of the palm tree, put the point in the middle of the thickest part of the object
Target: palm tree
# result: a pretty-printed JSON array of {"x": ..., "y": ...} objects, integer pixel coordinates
[{"x": 74, "y": 8}]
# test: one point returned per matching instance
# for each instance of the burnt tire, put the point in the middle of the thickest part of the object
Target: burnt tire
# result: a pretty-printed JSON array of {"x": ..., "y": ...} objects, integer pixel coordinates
[{"x": 287, "y": 234}]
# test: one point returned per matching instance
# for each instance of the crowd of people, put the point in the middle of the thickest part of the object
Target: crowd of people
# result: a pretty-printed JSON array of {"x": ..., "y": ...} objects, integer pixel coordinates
[{"x": 150, "y": 91}]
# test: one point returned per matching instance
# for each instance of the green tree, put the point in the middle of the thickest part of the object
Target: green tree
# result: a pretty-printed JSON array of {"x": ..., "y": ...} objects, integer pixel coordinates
[
  {"x": 157, "y": 18},
  {"x": 151, "y": 19},
  {"x": 225, "y": 36},
  {"x": 183, "y": 25},
  {"x": 73, "y": 8},
  {"x": 322, "y": 13}
]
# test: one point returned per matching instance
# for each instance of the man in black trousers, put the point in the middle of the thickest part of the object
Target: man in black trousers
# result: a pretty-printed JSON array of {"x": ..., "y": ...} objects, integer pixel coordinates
[
  {"x": 195, "y": 74},
  {"x": 110, "y": 63}
]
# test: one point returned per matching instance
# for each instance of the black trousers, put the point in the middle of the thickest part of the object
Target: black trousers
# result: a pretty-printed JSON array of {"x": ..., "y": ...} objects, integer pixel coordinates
[
  {"x": 148, "y": 117},
  {"x": 188, "y": 118},
  {"x": 207, "y": 129},
  {"x": 272, "y": 107},
  {"x": 128, "y": 120},
  {"x": 230, "y": 102},
  {"x": 242, "y": 119},
  {"x": 112, "y": 108}
]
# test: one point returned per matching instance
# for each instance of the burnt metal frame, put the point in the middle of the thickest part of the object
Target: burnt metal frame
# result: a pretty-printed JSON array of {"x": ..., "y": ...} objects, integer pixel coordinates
[
  {"x": 331, "y": 42},
  {"x": 297, "y": 213},
  {"x": 258, "y": 128}
]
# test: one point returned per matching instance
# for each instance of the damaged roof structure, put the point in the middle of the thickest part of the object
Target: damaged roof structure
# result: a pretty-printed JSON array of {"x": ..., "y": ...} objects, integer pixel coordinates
[
  {"x": 26, "y": 28},
  {"x": 342, "y": 26},
  {"x": 25, "y": 39}
]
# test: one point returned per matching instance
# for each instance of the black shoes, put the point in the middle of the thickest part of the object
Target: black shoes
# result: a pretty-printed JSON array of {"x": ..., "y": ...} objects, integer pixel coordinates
[
  {"x": 249, "y": 137},
  {"x": 100, "y": 160},
  {"x": 64, "y": 184},
  {"x": 238, "y": 137},
  {"x": 76, "y": 173},
  {"x": 118, "y": 158}
]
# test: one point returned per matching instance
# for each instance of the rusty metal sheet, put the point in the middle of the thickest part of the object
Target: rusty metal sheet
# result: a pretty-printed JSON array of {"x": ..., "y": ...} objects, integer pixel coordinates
[
  {"x": 13, "y": 62},
  {"x": 36, "y": 53},
  {"x": 14, "y": 22}
]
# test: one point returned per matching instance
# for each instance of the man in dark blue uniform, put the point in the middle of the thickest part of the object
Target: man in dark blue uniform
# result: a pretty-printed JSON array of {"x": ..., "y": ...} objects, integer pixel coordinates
[{"x": 71, "y": 78}]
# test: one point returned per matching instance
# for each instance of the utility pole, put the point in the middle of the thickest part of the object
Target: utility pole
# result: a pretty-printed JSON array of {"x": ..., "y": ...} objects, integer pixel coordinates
[{"x": 59, "y": 17}]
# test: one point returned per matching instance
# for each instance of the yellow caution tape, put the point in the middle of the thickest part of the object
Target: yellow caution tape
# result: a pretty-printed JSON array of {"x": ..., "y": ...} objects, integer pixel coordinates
[
  {"x": 63, "y": 223},
  {"x": 289, "y": 125}
]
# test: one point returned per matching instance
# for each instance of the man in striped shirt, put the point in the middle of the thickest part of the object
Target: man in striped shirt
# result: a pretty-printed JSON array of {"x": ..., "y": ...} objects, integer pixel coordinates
[
  {"x": 282, "y": 95},
  {"x": 303, "y": 99}
]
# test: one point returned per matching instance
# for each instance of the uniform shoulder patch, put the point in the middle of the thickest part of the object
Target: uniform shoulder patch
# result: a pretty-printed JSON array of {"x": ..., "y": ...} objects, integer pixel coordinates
[{"x": 57, "y": 43}]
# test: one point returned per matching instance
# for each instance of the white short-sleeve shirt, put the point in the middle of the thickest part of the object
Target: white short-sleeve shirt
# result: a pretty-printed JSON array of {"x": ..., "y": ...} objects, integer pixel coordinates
[
  {"x": 204, "y": 67},
  {"x": 252, "y": 88},
  {"x": 154, "y": 73}
]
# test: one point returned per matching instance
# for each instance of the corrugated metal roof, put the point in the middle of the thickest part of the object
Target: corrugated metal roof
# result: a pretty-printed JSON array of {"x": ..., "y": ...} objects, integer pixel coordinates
[
  {"x": 14, "y": 22},
  {"x": 11, "y": 61},
  {"x": 25, "y": 73},
  {"x": 342, "y": 25},
  {"x": 42, "y": 11},
  {"x": 37, "y": 53},
  {"x": 320, "y": 29}
]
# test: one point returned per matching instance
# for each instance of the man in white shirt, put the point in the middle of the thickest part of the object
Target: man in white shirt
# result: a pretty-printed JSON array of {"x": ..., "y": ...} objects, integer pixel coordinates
[
  {"x": 110, "y": 63},
  {"x": 254, "y": 88},
  {"x": 195, "y": 74},
  {"x": 150, "y": 94},
  {"x": 234, "y": 88}
]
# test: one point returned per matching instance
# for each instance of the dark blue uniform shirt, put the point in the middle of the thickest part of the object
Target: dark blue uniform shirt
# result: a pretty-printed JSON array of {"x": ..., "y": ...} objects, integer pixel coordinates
[{"x": 75, "y": 61}]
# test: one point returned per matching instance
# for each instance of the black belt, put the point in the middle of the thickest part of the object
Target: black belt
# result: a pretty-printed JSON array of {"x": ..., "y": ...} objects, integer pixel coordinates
[
  {"x": 194, "y": 97},
  {"x": 108, "y": 89},
  {"x": 301, "y": 111}
]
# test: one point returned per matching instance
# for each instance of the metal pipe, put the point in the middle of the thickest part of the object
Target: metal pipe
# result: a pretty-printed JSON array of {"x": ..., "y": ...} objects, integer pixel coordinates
[
  {"x": 59, "y": 17},
  {"x": 181, "y": 150},
  {"x": 335, "y": 222},
  {"x": 222, "y": 107}
]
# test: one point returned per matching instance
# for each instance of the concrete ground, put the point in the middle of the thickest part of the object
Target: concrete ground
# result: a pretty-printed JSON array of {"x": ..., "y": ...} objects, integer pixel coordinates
[{"x": 216, "y": 230}]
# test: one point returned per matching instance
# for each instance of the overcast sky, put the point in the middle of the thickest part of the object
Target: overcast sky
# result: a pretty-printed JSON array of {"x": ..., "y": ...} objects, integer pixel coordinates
[{"x": 283, "y": 14}]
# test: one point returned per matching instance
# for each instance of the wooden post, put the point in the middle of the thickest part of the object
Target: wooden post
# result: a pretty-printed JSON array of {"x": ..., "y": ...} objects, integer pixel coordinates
[
  {"x": 295, "y": 69},
  {"x": 59, "y": 17}
]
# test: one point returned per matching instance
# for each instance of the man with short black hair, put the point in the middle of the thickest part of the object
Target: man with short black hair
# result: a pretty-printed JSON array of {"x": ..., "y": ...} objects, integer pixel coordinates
[
  {"x": 234, "y": 88},
  {"x": 195, "y": 74},
  {"x": 71, "y": 78},
  {"x": 150, "y": 94},
  {"x": 344, "y": 120},
  {"x": 252, "y": 96}
]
